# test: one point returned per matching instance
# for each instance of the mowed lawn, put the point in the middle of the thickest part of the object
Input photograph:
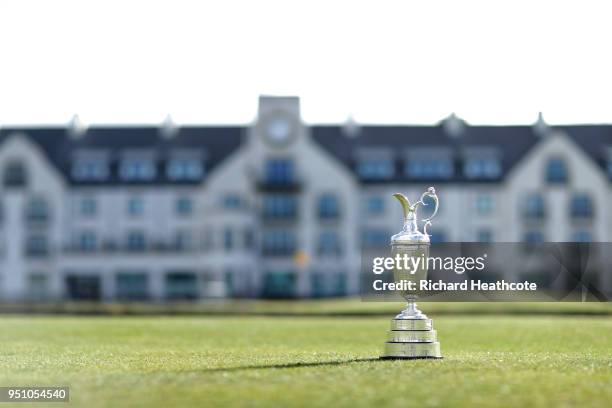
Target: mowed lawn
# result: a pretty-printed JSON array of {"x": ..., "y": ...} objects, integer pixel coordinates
[{"x": 308, "y": 361}]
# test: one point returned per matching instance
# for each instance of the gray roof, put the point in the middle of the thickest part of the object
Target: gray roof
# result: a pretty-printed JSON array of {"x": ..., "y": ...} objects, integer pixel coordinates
[
  {"x": 217, "y": 142},
  {"x": 510, "y": 142}
]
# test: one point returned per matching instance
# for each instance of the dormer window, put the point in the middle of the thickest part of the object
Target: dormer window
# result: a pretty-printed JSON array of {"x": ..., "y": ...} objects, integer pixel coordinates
[
  {"x": 137, "y": 167},
  {"x": 375, "y": 164},
  {"x": 482, "y": 164},
  {"x": 90, "y": 166},
  {"x": 429, "y": 164},
  {"x": 90, "y": 171},
  {"x": 556, "y": 171},
  {"x": 482, "y": 168},
  {"x": 184, "y": 168}
]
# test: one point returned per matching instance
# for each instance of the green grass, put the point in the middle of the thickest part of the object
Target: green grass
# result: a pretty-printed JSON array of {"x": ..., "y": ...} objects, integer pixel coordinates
[{"x": 280, "y": 361}]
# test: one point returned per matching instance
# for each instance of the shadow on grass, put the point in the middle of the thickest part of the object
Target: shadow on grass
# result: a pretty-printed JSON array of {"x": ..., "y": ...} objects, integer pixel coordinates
[{"x": 288, "y": 365}]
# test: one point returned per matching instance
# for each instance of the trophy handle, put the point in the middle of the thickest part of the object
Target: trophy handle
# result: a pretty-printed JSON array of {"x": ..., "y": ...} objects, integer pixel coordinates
[{"x": 431, "y": 192}]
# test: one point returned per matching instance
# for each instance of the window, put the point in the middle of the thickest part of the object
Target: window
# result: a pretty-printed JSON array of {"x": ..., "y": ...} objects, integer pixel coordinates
[
  {"x": 135, "y": 206},
  {"x": 328, "y": 208},
  {"x": 279, "y": 206},
  {"x": 317, "y": 284},
  {"x": 183, "y": 240},
  {"x": 279, "y": 284},
  {"x": 428, "y": 168},
  {"x": 249, "y": 238},
  {"x": 228, "y": 239},
  {"x": 37, "y": 210},
  {"x": 137, "y": 169},
  {"x": 328, "y": 283},
  {"x": 184, "y": 206},
  {"x": 136, "y": 241},
  {"x": 184, "y": 169},
  {"x": 15, "y": 174},
  {"x": 374, "y": 205},
  {"x": 484, "y": 235},
  {"x": 338, "y": 285},
  {"x": 533, "y": 237},
  {"x": 87, "y": 207},
  {"x": 581, "y": 206},
  {"x": 279, "y": 171},
  {"x": 375, "y": 238},
  {"x": 90, "y": 170},
  {"x": 482, "y": 168},
  {"x": 329, "y": 243},
  {"x": 279, "y": 243},
  {"x": 86, "y": 241},
  {"x": 208, "y": 239},
  {"x": 132, "y": 286},
  {"x": 228, "y": 278},
  {"x": 484, "y": 204},
  {"x": 582, "y": 236},
  {"x": 375, "y": 169},
  {"x": 84, "y": 287},
  {"x": 38, "y": 286},
  {"x": 181, "y": 286},
  {"x": 534, "y": 207},
  {"x": 233, "y": 202},
  {"x": 556, "y": 171},
  {"x": 37, "y": 246}
]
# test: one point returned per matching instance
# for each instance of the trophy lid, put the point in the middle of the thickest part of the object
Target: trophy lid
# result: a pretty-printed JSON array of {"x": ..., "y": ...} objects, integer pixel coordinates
[{"x": 410, "y": 234}]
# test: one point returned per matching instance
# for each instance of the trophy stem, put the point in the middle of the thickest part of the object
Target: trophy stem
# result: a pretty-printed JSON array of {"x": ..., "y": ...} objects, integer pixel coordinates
[{"x": 411, "y": 311}]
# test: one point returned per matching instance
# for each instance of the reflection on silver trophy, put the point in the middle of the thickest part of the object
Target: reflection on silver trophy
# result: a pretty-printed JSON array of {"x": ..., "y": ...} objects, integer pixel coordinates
[{"x": 412, "y": 335}]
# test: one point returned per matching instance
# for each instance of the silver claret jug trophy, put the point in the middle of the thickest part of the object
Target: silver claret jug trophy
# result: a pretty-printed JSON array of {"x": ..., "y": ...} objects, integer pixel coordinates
[{"x": 412, "y": 335}]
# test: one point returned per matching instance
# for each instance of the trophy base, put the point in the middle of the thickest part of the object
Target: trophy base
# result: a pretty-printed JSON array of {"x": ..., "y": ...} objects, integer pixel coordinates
[
  {"x": 412, "y": 350},
  {"x": 411, "y": 339}
]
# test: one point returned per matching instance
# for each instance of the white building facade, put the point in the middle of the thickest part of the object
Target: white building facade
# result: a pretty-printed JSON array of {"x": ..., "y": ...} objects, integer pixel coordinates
[{"x": 278, "y": 209}]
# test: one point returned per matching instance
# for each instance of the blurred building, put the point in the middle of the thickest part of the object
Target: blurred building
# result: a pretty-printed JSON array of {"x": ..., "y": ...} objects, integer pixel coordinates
[{"x": 278, "y": 208}]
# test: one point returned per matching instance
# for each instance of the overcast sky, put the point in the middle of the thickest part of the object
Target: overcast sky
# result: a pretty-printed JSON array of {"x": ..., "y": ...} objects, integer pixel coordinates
[{"x": 379, "y": 61}]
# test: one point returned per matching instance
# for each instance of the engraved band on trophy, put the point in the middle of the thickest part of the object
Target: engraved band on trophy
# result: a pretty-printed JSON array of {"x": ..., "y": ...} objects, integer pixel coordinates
[{"x": 412, "y": 335}]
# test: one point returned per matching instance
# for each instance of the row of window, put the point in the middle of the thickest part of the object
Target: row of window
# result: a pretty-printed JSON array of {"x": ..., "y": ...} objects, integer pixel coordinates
[
  {"x": 135, "y": 206},
  {"x": 426, "y": 168},
  {"x": 130, "y": 169},
  {"x": 440, "y": 168},
  {"x": 274, "y": 243},
  {"x": 580, "y": 206},
  {"x": 139, "y": 169},
  {"x": 285, "y": 206},
  {"x": 135, "y": 285}
]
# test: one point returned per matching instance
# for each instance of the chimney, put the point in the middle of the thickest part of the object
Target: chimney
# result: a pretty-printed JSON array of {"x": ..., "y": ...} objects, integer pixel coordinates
[
  {"x": 76, "y": 127},
  {"x": 540, "y": 127},
  {"x": 453, "y": 125},
  {"x": 351, "y": 128},
  {"x": 168, "y": 129}
]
